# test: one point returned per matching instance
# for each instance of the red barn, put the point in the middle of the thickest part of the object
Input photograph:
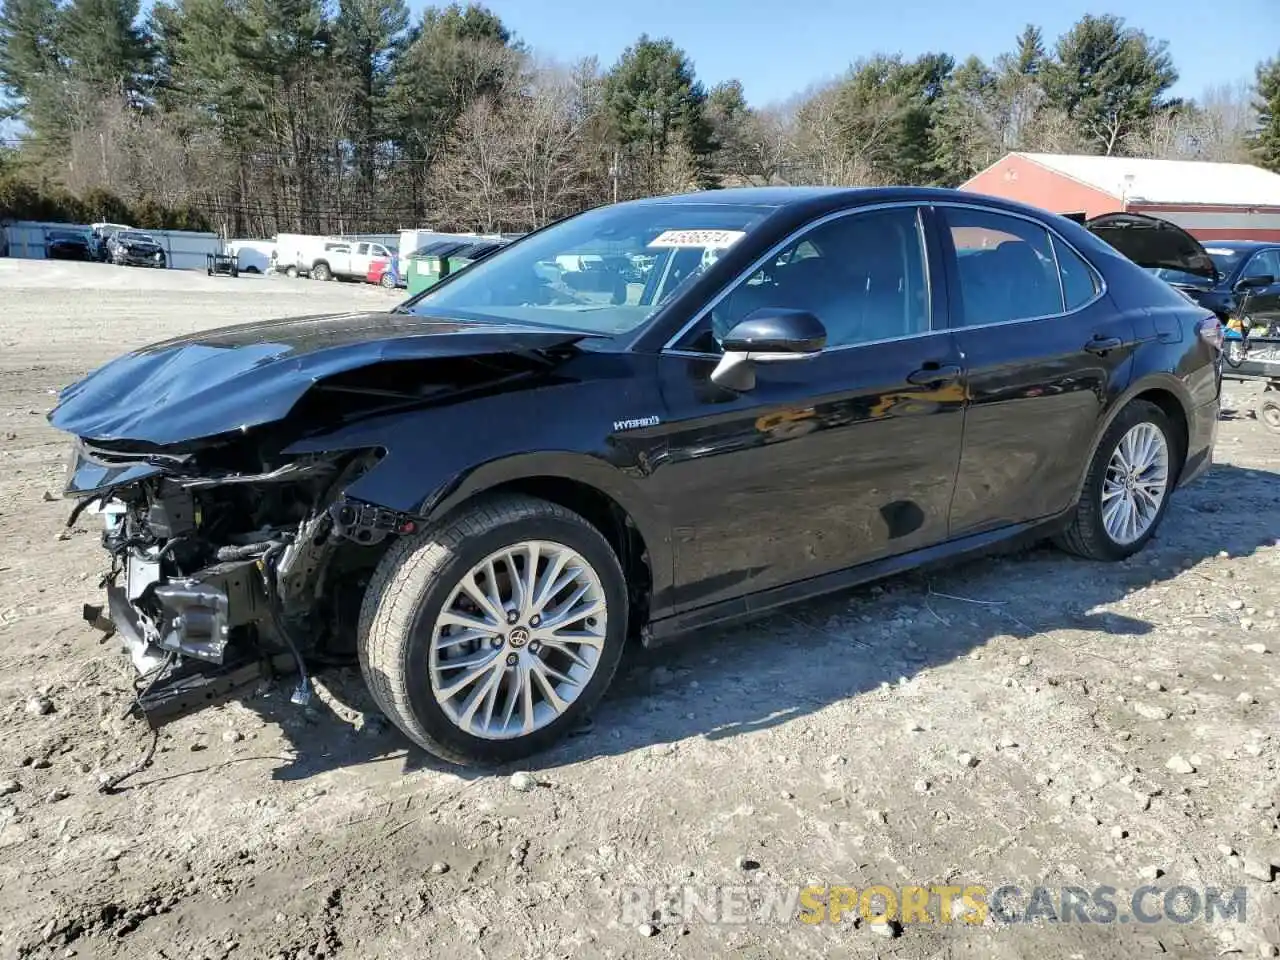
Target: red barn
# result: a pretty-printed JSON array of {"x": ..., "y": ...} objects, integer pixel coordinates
[{"x": 1211, "y": 201}]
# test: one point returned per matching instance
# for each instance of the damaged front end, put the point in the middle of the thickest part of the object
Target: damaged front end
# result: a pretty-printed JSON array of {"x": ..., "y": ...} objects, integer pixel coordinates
[{"x": 225, "y": 568}]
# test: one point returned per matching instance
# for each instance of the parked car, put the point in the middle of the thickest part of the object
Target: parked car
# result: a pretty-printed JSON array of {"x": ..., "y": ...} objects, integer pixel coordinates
[
  {"x": 100, "y": 235},
  {"x": 67, "y": 245},
  {"x": 384, "y": 272},
  {"x": 1239, "y": 280},
  {"x": 485, "y": 491},
  {"x": 134, "y": 247},
  {"x": 343, "y": 260}
]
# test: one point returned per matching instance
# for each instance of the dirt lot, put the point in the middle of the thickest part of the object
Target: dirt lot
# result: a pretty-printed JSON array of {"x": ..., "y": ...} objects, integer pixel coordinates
[{"x": 1013, "y": 721}]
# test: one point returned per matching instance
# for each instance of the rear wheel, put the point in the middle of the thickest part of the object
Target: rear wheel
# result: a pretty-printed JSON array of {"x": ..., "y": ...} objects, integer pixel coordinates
[
  {"x": 486, "y": 639},
  {"x": 1126, "y": 492},
  {"x": 388, "y": 281},
  {"x": 320, "y": 271}
]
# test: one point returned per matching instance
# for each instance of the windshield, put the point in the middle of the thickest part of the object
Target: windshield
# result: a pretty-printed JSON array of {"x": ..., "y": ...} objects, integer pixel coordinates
[
  {"x": 1225, "y": 260},
  {"x": 134, "y": 237},
  {"x": 604, "y": 271}
]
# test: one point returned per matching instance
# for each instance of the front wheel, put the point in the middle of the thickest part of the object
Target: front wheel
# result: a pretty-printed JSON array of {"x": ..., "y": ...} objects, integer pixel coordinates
[
  {"x": 486, "y": 639},
  {"x": 1126, "y": 492},
  {"x": 388, "y": 281}
]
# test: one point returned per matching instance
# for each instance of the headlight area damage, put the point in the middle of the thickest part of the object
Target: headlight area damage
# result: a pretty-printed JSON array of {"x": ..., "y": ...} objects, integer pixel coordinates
[
  {"x": 219, "y": 577},
  {"x": 235, "y": 552}
]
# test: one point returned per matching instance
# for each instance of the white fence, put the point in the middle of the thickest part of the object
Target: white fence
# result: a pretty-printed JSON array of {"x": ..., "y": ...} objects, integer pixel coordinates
[{"x": 184, "y": 249}]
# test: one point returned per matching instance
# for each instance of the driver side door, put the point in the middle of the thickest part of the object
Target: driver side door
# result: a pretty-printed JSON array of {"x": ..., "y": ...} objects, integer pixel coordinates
[{"x": 847, "y": 457}]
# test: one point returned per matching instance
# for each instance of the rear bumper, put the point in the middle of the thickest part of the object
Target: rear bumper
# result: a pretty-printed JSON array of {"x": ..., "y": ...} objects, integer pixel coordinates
[{"x": 1202, "y": 434}]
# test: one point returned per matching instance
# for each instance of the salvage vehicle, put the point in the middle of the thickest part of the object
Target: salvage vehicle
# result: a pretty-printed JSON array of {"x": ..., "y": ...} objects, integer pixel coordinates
[
  {"x": 482, "y": 493},
  {"x": 100, "y": 235},
  {"x": 134, "y": 247},
  {"x": 1239, "y": 280},
  {"x": 339, "y": 259},
  {"x": 67, "y": 245}
]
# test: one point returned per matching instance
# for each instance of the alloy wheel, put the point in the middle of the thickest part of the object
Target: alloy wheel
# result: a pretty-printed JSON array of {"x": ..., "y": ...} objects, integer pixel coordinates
[
  {"x": 1135, "y": 484},
  {"x": 518, "y": 640}
]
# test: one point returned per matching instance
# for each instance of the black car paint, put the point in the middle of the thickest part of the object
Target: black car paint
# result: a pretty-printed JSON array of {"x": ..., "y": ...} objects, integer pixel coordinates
[
  {"x": 239, "y": 377},
  {"x": 129, "y": 250},
  {"x": 65, "y": 245},
  {"x": 831, "y": 471}
]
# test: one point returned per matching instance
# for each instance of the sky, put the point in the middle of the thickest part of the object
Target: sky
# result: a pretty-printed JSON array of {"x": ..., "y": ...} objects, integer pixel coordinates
[{"x": 777, "y": 48}]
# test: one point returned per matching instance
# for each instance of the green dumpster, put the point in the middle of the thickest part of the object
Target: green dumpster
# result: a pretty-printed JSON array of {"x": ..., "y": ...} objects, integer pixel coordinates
[{"x": 432, "y": 263}]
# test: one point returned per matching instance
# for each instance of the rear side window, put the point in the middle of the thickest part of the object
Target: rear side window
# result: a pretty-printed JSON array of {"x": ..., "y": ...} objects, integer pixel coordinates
[
  {"x": 1005, "y": 267},
  {"x": 1079, "y": 283}
]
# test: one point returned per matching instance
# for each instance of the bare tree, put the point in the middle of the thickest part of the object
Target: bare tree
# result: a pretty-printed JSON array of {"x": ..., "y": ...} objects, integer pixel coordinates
[
  {"x": 550, "y": 173},
  {"x": 473, "y": 181}
]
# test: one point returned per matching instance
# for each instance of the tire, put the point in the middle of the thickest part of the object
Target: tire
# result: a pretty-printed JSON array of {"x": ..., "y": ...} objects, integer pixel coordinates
[
  {"x": 1267, "y": 413},
  {"x": 320, "y": 271},
  {"x": 291, "y": 272},
  {"x": 1234, "y": 352},
  {"x": 1087, "y": 536},
  {"x": 420, "y": 574},
  {"x": 388, "y": 281}
]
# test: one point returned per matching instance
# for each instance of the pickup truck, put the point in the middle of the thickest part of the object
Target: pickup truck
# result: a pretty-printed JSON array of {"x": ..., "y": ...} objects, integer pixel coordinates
[{"x": 345, "y": 260}]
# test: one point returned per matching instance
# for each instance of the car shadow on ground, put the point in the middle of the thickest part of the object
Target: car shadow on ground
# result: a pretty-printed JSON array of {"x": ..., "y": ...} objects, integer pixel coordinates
[{"x": 740, "y": 679}]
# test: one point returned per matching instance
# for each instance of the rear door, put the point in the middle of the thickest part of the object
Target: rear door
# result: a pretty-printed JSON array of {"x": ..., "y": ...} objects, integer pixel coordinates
[{"x": 1044, "y": 351}]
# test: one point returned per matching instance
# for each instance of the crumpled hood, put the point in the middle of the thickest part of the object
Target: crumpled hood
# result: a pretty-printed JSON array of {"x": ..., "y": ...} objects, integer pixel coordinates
[{"x": 246, "y": 375}]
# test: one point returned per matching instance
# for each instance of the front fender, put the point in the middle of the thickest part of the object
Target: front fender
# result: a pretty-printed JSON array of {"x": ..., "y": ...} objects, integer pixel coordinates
[{"x": 435, "y": 459}]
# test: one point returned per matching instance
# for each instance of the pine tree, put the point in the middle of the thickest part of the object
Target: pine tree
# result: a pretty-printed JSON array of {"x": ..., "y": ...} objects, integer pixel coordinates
[{"x": 1265, "y": 143}]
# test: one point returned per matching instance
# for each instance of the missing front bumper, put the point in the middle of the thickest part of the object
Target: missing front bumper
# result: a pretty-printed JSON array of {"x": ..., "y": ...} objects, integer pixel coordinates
[{"x": 177, "y": 687}]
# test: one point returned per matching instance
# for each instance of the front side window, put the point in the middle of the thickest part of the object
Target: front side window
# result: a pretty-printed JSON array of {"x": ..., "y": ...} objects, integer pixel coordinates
[
  {"x": 1266, "y": 263},
  {"x": 1005, "y": 266},
  {"x": 863, "y": 275},
  {"x": 605, "y": 271}
]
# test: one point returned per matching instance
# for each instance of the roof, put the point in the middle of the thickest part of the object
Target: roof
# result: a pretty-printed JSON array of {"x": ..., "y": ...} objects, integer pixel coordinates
[{"x": 1168, "y": 181}]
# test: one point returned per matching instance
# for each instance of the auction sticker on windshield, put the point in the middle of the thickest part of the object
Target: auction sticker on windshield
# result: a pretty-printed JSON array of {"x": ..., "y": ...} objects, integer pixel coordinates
[{"x": 703, "y": 239}]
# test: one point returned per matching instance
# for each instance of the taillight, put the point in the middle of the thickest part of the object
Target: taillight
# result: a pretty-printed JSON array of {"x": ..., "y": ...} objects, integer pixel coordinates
[{"x": 1210, "y": 330}]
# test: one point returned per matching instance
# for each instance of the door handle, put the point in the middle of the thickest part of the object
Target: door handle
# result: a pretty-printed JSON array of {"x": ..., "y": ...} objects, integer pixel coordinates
[
  {"x": 1100, "y": 344},
  {"x": 931, "y": 374}
]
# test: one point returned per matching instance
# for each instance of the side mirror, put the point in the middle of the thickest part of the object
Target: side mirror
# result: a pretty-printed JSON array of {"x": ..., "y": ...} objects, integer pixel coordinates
[
  {"x": 1255, "y": 281},
  {"x": 768, "y": 335}
]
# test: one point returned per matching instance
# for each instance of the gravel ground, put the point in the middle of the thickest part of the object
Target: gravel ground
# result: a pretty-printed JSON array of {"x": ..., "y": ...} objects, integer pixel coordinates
[{"x": 1029, "y": 719}]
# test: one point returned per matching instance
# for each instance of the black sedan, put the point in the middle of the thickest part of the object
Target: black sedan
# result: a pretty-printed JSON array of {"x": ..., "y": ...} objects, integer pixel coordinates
[
  {"x": 133, "y": 247},
  {"x": 67, "y": 245},
  {"x": 485, "y": 492},
  {"x": 1239, "y": 280}
]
